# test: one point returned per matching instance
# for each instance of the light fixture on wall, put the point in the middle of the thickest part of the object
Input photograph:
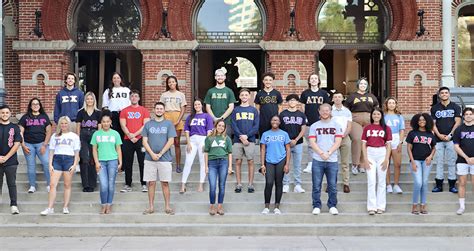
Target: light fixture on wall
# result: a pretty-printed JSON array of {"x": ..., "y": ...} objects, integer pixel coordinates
[
  {"x": 164, "y": 25},
  {"x": 292, "y": 31},
  {"x": 37, "y": 30},
  {"x": 422, "y": 29}
]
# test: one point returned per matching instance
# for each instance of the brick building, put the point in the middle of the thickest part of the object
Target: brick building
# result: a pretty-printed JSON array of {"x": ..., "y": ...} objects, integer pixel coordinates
[{"x": 146, "y": 40}]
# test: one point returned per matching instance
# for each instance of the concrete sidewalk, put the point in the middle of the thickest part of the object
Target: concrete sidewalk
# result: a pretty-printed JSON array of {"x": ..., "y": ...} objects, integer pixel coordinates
[{"x": 238, "y": 243}]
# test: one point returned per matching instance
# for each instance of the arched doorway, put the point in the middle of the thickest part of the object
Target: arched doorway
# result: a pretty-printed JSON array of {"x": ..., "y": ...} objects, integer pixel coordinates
[{"x": 465, "y": 46}]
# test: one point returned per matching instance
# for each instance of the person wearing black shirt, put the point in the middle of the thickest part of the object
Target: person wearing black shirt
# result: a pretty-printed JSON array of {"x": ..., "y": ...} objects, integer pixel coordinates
[
  {"x": 463, "y": 138},
  {"x": 293, "y": 122},
  {"x": 10, "y": 139},
  {"x": 268, "y": 102},
  {"x": 447, "y": 117}
]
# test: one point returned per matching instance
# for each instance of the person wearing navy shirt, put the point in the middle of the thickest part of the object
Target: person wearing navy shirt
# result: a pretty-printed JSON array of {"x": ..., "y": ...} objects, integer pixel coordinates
[
  {"x": 268, "y": 102},
  {"x": 68, "y": 100}
]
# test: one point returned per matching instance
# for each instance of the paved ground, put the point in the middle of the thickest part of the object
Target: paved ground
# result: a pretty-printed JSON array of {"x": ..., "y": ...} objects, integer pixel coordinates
[{"x": 239, "y": 243}]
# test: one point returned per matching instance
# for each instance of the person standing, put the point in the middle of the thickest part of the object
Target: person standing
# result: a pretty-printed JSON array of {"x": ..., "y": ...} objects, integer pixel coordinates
[
  {"x": 245, "y": 124},
  {"x": 35, "y": 127},
  {"x": 158, "y": 136},
  {"x": 175, "y": 105},
  {"x": 132, "y": 120},
  {"x": 293, "y": 122},
  {"x": 394, "y": 119},
  {"x": 268, "y": 102},
  {"x": 10, "y": 138},
  {"x": 115, "y": 99},
  {"x": 68, "y": 100},
  {"x": 447, "y": 117}
]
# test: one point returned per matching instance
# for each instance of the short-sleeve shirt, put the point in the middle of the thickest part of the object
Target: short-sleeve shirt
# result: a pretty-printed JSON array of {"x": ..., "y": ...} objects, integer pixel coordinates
[
  {"x": 119, "y": 100},
  {"x": 444, "y": 116},
  {"x": 106, "y": 142},
  {"x": 173, "y": 101},
  {"x": 66, "y": 144},
  {"x": 9, "y": 134},
  {"x": 395, "y": 121},
  {"x": 357, "y": 102},
  {"x": 422, "y": 143},
  {"x": 158, "y": 133},
  {"x": 312, "y": 100},
  {"x": 135, "y": 117},
  {"x": 35, "y": 127},
  {"x": 464, "y": 137},
  {"x": 275, "y": 142},
  {"x": 342, "y": 117},
  {"x": 217, "y": 147},
  {"x": 325, "y": 133},
  {"x": 268, "y": 102},
  {"x": 376, "y": 136},
  {"x": 90, "y": 122},
  {"x": 200, "y": 124},
  {"x": 292, "y": 122},
  {"x": 219, "y": 100}
]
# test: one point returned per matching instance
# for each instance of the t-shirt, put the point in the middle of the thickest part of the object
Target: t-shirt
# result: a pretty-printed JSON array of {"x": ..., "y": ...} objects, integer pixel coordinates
[
  {"x": 87, "y": 121},
  {"x": 375, "y": 136},
  {"x": 312, "y": 100},
  {"x": 395, "y": 121},
  {"x": 325, "y": 132},
  {"x": 292, "y": 122},
  {"x": 464, "y": 137},
  {"x": 342, "y": 117},
  {"x": 9, "y": 134},
  {"x": 106, "y": 142},
  {"x": 422, "y": 143},
  {"x": 158, "y": 133},
  {"x": 357, "y": 102},
  {"x": 173, "y": 100},
  {"x": 217, "y": 147},
  {"x": 275, "y": 142},
  {"x": 219, "y": 100},
  {"x": 268, "y": 102},
  {"x": 66, "y": 144},
  {"x": 201, "y": 124},
  {"x": 135, "y": 117},
  {"x": 119, "y": 100},
  {"x": 35, "y": 127},
  {"x": 444, "y": 117},
  {"x": 245, "y": 121}
]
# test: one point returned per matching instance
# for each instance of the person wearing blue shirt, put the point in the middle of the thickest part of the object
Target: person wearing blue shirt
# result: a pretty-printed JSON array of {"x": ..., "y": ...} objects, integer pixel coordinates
[{"x": 68, "y": 100}]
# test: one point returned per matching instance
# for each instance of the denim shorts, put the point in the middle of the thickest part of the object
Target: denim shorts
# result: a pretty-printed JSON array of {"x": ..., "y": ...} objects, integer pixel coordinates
[{"x": 62, "y": 162}]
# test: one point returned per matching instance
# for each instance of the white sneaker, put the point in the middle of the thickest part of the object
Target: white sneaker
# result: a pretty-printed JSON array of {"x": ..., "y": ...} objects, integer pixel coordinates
[
  {"x": 32, "y": 189},
  {"x": 397, "y": 189},
  {"x": 389, "y": 189},
  {"x": 286, "y": 188},
  {"x": 362, "y": 170},
  {"x": 316, "y": 211},
  {"x": 355, "y": 170},
  {"x": 126, "y": 189},
  {"x": 144, "y": 188},
  {"x": 266, "y": 211},
  {"x": 47, "y": 211},
  {"x": 78, "y": 169},
  {"x": 460, "y": 211},
  {"x": 14, "y": 210},
  {"x": 276, "y": 211},
  {"x": 65, "y": 210},
  {"x": 48, "y": 188},
  {"x": 333, "y": 211},
  {"x": 298, "y": 189},
  {"x": 308, "y": 168}
]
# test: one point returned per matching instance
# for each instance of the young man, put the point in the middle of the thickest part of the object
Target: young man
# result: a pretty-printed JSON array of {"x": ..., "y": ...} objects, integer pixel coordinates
[
  {"x": 68, "y": 100},
  {"x": 268, "y": 102},
  {"x": 158, "y": 137},
  {"x": 311, "y": 99},
  {"x": 132, "y": 120},
  {"x": 293, "y": 122},
  {"x": 245, "y": 121},
  {"x": 463, "y": 138},
  {"x": 325, "y": 137},
  {"x": 343, "y": 118},
  {"x": 9, "y": 143},
  {"x": 447, "y": 117}
]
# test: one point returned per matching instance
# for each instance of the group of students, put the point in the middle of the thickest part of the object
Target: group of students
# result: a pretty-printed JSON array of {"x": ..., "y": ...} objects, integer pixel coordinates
[{"x": 104, "y": 142}]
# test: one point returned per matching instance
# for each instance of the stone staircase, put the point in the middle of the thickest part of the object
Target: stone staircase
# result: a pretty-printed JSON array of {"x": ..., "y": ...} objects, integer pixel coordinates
[{"x": 242, "y": 217}]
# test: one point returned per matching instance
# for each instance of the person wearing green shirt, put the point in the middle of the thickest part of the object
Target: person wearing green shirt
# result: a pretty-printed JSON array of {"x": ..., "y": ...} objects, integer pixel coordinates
[
  {"x": 107, "y": 155},
  {"x": 218, "y": 159}
]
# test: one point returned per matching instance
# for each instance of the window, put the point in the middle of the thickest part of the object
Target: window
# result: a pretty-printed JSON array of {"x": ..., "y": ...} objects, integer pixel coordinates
[{"x": 465, "y": 47}]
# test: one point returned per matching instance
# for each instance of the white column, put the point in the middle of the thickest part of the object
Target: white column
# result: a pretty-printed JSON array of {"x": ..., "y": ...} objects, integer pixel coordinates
[{"x": 447, "y": 78}]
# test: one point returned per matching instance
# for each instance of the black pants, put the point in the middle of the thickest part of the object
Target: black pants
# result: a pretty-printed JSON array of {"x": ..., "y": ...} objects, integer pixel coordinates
[
  {"x": 128, "y": 152},
  {"x": 88, "y": 172},
  {"x": 10, "y": 172},
  {"x": 274, "y": 175},
  {"x": 116, "y": 123}
]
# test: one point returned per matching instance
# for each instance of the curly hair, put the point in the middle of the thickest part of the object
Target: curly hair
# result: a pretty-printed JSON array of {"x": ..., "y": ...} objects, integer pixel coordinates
[{"x": 416, "y": 118}]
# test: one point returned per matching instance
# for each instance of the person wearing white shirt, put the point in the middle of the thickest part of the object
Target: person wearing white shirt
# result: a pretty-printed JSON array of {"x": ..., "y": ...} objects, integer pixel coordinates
[
  {"x": 343, "y": 117},
  {"x": 115, "y": 99}
]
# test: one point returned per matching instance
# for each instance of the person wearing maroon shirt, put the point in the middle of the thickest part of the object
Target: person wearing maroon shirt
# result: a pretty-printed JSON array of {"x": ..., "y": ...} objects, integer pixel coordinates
[{"x": 376, "y": 138}]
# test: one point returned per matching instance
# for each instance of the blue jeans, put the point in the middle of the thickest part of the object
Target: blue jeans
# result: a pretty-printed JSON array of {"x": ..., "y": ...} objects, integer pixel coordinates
[
  {"x": 217, "y": 170},
  {"x": 296, "y": 155},
  {"x": 31, "y": 162},
  {"x": 445, "y": 154},
  {"x": 420, "y": 181},
  {"x": 319, "y": 169},
  {"x": 107, "y": 174}
]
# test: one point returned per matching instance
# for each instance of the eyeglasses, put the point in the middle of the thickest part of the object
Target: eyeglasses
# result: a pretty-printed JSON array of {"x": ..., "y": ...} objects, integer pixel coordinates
[{"x": 35, "y": 104}]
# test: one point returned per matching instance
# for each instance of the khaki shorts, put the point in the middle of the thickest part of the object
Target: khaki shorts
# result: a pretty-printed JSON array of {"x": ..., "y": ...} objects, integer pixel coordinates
[
  {"x": 173, "y": 117},
  {"x": 239, "y": 151},
  {"x": 155, "y": 170}
]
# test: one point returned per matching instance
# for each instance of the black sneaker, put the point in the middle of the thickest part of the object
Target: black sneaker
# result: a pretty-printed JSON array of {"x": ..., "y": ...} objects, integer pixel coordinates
[
  {"x": 238, "y": 188},
  {"x": 250, "y": 189},
  {"x": 178, "y": 169}
]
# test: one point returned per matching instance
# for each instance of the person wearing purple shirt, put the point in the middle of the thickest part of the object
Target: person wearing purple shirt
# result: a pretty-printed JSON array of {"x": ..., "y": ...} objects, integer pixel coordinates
[{"x": 198, "y": 125}]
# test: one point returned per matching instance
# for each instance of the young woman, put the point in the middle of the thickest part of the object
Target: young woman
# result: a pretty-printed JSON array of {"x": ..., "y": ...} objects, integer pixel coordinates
[
  {"x": 63, "y": 159},
  {"x": 197, "y": 126},
  {"x": 376, "y": 146},
  {"x": 218, "y": 159},
  {"x": 115, "y": 99},
  {"x": 88, "y": 121},
  {"x": 421, "y": 149},
  {"x": 394, "y": 119},
  {"x": 35, "y": 127},
  {"x": 108, "y": 160},
  {"x": 275, "y": 159}
]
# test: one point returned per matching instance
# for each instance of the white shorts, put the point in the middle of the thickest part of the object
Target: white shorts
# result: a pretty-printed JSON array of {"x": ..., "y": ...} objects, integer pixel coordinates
[
  {"x": 395, "y": 140},
  {"x": 464, "y": 169},
  {"x": 155, "y": 170}
]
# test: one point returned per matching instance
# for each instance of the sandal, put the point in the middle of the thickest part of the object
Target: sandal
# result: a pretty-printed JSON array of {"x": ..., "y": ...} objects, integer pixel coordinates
[
  {"x": 220, "y": 211},
  {"x": 169, "y": 211},
  {"x": 414, "y": 210},
  {"x": 182, "y": 191},
  {"x": 423, "y": 209},
  {"x": 148, "y": 211},
  {"x": 212, "y": 211},
  {"x": 371, "y": 212}
]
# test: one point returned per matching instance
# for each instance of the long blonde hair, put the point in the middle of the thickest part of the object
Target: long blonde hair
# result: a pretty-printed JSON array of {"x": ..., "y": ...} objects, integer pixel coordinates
[
  {"x": 214, "y": 132},
  {"x": 85, "y": 97},
  {"x": 58, "y": 126}
]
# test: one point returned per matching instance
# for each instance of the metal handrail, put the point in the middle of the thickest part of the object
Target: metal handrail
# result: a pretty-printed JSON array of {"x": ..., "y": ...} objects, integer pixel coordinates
[
  {"x": 351, "y": 37},
  {"x": 228, "y": 37},
  {"x": 102, "y": 37}
]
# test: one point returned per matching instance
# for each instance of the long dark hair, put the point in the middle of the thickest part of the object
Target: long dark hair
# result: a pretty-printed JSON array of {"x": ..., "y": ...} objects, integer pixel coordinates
[
  {"x": 30, "y": 109},
  {"x": 175, "y": 79},
  {"x": 111, "y": 86},
  {"x": 193, "y": 111},
  {"x": 382, "y": 121},
  {"x": 309, "y": 77},
  {"x": 429, "y": 122}
]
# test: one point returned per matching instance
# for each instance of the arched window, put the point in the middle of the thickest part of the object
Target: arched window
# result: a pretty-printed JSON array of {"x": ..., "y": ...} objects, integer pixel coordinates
[
  {"x": 108, "y": 21},
  {"x": 465, "y": 47},
  {"x": 323, "y": 75}
]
